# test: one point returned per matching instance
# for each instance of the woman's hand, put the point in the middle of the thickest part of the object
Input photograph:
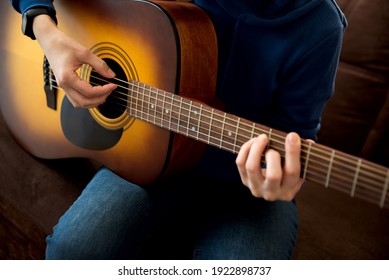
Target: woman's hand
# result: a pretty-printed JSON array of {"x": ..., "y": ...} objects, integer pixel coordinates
[
  {"x": 276, "y": 181},
  {"x": 66, "y": 56}
]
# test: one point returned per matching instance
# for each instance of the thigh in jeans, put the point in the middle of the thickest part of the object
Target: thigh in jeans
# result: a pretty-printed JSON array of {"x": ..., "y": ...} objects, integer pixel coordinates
[
  {"x": 240, "y": 226},
  {"x": 111, "y": 219}
]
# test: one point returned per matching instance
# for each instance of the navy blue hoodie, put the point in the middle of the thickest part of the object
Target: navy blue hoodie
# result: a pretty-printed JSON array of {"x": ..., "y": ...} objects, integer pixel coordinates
[{"x": 277, "y": 63}]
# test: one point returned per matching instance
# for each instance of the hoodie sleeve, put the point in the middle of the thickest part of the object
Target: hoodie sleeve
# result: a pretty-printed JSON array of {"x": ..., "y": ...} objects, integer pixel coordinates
[{"x": 23, "y": 5}]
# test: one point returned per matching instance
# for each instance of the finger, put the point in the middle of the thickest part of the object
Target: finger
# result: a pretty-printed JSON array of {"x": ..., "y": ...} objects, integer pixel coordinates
[
  {"x": 242, "y": 158},
  {"x": 292, "y": 164},
  {"x": 253, "y": 162},
  {"x": 273, "y": 177},
  {"x": 92, "y": 91},
  {"x": 86, "y": 97},
  {"x": 273, "y": 169},
  {"x": 253, "y": 168},
  {"x": 80, "y": 101},
  {"x": 99, "y": 65}
]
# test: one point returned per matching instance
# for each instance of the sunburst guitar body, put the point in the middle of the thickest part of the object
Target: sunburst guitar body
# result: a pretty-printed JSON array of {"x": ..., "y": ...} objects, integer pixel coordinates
[{"x": 168, "y": 45}]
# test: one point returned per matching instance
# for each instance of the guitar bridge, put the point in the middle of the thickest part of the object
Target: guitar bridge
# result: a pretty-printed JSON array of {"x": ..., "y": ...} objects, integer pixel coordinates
[{"x": 50, "y": 85}]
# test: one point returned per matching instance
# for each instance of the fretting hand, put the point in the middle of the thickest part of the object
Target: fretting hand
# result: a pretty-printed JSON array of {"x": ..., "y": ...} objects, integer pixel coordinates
[{"x": 275, "y": 182}]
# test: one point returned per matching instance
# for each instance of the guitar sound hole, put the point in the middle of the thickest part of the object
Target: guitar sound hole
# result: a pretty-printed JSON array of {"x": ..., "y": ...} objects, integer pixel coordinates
[{"x": 116, "y": 102}]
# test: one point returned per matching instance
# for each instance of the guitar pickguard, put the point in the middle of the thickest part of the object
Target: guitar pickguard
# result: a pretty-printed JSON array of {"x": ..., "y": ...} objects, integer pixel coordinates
[{"x": 79, "y": 123}]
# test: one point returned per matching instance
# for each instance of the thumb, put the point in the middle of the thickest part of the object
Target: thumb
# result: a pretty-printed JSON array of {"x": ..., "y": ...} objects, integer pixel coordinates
[{"x": 100, "y": 66}]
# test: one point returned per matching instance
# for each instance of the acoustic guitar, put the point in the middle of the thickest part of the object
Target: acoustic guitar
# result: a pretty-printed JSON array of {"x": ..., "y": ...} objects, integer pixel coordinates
[{"x": 157, "y": 122}]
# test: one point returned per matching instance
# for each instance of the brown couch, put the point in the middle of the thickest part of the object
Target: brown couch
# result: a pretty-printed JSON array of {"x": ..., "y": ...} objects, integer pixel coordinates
[{"x": 34, "y": 193}]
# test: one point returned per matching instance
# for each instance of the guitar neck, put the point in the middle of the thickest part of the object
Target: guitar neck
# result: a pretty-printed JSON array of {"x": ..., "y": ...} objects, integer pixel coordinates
[{"x": 319, "y": 164}]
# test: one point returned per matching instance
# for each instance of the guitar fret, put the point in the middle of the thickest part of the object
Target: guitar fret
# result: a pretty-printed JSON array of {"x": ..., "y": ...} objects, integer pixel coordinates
[
  {"x": 153, "y": 105},
  {"x": 175, "y": 108},
  {"x": 164, "y": 111},
  {"x": 228, "y": 135},
  {"x": 192, "y": 121},
  {"x": 199, "y": 122},
  {"x": 134, "y": 99},
  {"x": 236, "y": 136},
  {"x": 170, "y": 113},
  {"x": 330, "y": 168},
  {"x": 159, "y": 107},
  {"x": 189, "y": 117},
  {"x": 180, "y": 119},
  {"x": 131, "y": 101},
  {"x": 353, "y": 188},
  {"x": 195, "y": 122},
  {"x": 307, "y": 159},
  {"x": 216, "y": 131},
  {"x": 203, "y": 123},
  {"x": 187, "y": 109},
  {"x": 210, "y": 126},
  {"x": 139, "y": 110},
  {"x": 384, "y": 191},
  {"x": 148, "y": 103},
  {"x": 270, "y": 134},
  {"x": 253, "y": 134},
  {"x": 143, "y": 105},
  {"x": 222, "y": 131}
]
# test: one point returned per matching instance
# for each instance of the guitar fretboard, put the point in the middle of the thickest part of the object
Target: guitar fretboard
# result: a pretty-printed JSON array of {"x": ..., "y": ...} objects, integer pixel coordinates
[{"x": 320, "y": 164}]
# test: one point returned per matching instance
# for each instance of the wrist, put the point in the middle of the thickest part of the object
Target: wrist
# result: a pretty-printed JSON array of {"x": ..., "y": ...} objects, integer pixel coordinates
[
  {"x": 30, "y": 16},
  {"x": 43, "y": 25}
]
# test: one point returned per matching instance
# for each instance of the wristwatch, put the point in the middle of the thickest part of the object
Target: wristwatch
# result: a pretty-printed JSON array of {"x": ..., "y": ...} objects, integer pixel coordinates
[{"x": 28, "y": 18}]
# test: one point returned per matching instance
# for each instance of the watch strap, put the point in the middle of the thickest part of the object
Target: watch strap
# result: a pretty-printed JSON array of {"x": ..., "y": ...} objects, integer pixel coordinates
[{"x": 30, "y": 14}]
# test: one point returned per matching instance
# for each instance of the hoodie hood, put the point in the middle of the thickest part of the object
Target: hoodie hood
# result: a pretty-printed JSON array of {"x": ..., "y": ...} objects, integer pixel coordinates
[{"x": 267, "y": 12}]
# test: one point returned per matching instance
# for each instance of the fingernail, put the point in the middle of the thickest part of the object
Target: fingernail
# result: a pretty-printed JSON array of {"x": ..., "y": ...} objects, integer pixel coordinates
[
  {"x": 262, "y": 137},
  {"x": 111, "y": 73},
  {"x": 293, "y": 138}
]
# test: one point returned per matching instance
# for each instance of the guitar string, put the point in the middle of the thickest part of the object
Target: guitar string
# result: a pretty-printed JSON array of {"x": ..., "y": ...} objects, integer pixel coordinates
[
  {"x": 145, "y": 87},
  {"x": 164, "y": 100},
  {"x": 161, "y": 119},
  {"x": 150, "y": 98},
  {"x": 339, "y": 157},
  {"x": 222, "y": 116},
  {"x": 334, "y": 176},
  {"x": 201, "y": 107},
  {"x": 152, "y": 101}
]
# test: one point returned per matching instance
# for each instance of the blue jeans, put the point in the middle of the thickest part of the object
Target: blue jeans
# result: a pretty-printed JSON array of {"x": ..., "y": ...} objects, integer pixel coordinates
[{"x": 115, "y": 219}]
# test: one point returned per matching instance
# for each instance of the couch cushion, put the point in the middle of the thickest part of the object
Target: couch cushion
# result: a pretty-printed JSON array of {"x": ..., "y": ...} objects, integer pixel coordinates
[{"x": 356, "y": 119}]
